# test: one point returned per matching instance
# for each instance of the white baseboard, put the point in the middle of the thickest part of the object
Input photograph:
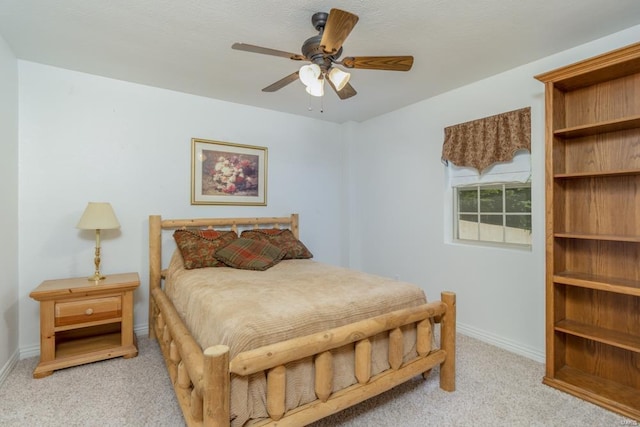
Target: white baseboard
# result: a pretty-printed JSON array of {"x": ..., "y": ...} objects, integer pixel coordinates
[
  {"x": 500, "y": 342},
  {"x": 8, "y": 367},
  {"x": 29, "y": 351},
  {"x": 141, "y": 329}
]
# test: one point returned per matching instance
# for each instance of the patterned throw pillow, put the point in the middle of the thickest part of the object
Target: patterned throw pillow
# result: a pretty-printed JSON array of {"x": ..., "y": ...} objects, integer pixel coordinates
[
  {"x": 294, "y": 248},
  {"x": 209, "y": 233},
  {"x": 199, "y": 251},
  {"x": 250, "y": 254}
]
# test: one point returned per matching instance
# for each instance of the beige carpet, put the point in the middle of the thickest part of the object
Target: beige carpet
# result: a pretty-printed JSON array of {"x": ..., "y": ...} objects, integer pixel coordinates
[{"x": 494, "y": 388}]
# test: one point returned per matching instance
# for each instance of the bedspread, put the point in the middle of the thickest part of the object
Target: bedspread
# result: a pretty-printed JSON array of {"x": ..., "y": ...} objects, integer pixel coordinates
[{"x": 246, "y": 309}]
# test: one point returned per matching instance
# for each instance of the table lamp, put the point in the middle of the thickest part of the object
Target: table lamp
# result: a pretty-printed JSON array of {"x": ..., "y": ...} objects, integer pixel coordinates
[{"x": 98, "y": 216}]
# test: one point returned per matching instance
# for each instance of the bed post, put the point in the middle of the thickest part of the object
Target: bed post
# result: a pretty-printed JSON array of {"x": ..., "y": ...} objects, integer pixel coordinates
[
  {"x": 295, "y": 225},
  {"x": 155, "y": 265},
  {"x": 217, "y": 387},
  {"x": 448, "y": 342}
]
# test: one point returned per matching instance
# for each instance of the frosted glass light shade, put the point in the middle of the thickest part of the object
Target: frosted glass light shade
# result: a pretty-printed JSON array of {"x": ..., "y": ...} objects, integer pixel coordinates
[
  {"x": 98, "y": 216},
  {"x": 316, "y": 88},
  {"x": 339, "y": 78},
  {"x": 309, "y": 74}
]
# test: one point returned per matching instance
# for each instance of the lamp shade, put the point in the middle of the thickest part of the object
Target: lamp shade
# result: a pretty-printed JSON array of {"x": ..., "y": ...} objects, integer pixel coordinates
[
  {"x": 98, "y": 216},
  {"x": 339, "y": 78},
  {"x": 317, "y": 88},
  {"x": 309, "y": 74}
]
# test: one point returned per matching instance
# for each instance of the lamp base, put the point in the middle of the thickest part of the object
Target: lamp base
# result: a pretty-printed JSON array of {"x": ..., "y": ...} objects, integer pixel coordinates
[{"x": 96, "y": 260}]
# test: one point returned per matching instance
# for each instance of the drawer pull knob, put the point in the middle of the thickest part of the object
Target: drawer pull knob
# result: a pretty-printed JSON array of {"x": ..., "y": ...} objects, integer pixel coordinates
[{"x": 89, "y": 311}]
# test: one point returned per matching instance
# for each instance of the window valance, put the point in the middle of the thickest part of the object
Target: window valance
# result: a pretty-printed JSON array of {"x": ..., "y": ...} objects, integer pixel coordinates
[{"x": 483, "y": 142}]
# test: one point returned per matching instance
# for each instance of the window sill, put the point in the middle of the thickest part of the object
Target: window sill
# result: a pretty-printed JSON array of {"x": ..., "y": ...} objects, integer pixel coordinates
[{"x": 491, "y": 245}]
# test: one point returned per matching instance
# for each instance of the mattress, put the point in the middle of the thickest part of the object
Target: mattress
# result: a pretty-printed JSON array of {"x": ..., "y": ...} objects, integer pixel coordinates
[{"x": 247, "y": 309}]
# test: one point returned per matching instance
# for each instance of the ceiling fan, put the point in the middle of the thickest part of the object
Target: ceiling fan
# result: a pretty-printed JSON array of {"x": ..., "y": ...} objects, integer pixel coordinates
[{"x": 323, "y": 51}]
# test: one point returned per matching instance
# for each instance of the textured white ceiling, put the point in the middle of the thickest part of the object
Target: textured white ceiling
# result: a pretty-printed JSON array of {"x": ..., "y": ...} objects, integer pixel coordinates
[{"x": 186, "y": 45}]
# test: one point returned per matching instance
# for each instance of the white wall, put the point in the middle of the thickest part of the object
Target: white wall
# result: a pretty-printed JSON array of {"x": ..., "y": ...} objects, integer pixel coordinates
[
  {"x": 87, "y": 138},
  {"x": 401, "y": 208},
  {"x": 8, "y": 208}
]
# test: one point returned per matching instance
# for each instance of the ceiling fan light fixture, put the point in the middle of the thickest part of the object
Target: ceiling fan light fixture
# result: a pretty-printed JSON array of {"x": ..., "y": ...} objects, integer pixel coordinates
[
  {"x": 339, "y": 78},
  {"x": 316, "y": 88},
  {"x": 309, "y": 74}
]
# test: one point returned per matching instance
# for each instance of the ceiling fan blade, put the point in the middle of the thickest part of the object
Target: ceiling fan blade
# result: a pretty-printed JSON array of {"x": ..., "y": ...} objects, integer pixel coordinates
[
  {"x": 338, "y": 26},
  {"x": 281, "y": 83},
  {"x": 391, "y": 63},
  {"x": 267, "y": 51},
  {"x": 347, "y": 91}
]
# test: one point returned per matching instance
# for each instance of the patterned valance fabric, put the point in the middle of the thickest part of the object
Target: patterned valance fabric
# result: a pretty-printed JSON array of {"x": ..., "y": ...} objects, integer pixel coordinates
[{"x": 483, "y": 142}]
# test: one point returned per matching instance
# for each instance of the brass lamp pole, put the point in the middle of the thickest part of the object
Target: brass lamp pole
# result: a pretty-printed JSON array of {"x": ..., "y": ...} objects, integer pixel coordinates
[
  {"x": 98, "y": 216},
  {"x": 96, "y": 259}
]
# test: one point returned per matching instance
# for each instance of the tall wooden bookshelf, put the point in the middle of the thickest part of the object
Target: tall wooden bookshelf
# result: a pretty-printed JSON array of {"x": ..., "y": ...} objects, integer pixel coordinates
[{"x": 593, "y": 229}]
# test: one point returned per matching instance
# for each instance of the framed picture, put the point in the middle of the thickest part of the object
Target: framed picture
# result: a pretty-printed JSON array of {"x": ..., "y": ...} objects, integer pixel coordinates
[{"x": 223, "y": 173}]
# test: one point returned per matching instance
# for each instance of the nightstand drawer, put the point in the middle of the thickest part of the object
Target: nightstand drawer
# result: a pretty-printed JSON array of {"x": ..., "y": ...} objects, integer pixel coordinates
[{"x": 88, "y": 310}]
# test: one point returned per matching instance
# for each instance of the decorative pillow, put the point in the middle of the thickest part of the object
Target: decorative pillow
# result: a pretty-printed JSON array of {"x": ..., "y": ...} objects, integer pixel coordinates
[
  {"x": 198, "y": 251},
  {"x": 248, "y": 254},
  {"x": 209, "y": 233},
  {"x": 284, "y": 239}
]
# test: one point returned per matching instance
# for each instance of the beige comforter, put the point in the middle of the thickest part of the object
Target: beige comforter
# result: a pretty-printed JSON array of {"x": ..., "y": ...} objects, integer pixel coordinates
[{"x": 247, "y": 309}]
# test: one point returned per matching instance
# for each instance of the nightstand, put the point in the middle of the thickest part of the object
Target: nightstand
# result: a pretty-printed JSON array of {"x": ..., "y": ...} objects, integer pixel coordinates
[{"x": 83, "y": 321}]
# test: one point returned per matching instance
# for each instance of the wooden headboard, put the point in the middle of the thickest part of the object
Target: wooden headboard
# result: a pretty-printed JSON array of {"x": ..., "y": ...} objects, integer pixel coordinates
[{"x": 157, "y": 225}]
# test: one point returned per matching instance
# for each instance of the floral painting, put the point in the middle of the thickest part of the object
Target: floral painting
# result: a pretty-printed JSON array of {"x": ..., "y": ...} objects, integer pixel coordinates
[
  {"x": 226, "y": 173},
  {"x": 229, "y": 173}
]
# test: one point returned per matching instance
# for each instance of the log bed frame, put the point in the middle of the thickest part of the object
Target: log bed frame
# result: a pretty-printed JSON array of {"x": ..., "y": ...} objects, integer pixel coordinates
[{"x": 201, "y": 379}]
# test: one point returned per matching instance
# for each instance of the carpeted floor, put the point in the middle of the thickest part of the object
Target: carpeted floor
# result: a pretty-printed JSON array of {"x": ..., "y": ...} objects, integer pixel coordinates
[{"x": 494, "y": 388}]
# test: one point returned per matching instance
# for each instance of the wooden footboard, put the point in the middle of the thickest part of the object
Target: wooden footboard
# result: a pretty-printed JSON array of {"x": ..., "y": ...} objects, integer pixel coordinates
[{"x": 202, "y": 379}]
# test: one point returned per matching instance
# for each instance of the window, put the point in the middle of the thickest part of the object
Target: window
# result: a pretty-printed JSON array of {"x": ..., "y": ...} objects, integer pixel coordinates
[
  {"x": 489, "y": 173},
  {"x": 498, "y": 213}
]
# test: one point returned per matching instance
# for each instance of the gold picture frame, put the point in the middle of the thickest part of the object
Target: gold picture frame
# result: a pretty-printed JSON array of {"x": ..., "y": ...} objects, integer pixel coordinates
[{"x": 223, "y": 173}]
